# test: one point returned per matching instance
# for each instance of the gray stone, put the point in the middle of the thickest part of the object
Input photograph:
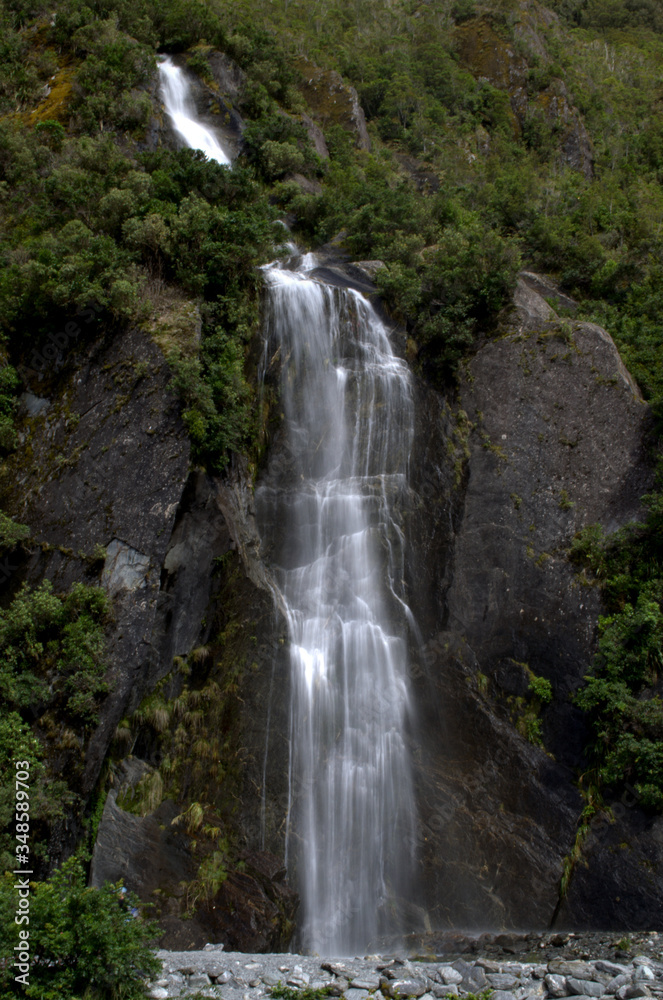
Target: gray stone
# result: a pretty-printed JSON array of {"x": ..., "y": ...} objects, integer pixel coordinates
[
  {"x": 199, "y": 979},
  {"x": 642, "y": 960},
  {"x": 621, "y": 980},
  {"x": 337, "y": 969},
  {"x": 447, "y": 974},
  {"x": 365, "y": 983},
  {"x": 405, "y": 988},
  {"x": 576, "y": 969},
  {"x": 125, "y": 568},
  {"x": 643, "y": 973},
  {"x": 632, "y": 992},
  {"x": 611, "y": 968},
  {"x": 34, "y": 405},
  {"x": 502, "y": 981},
  {"x": 158, "y": 993},
  {"x": 356, "y": 994},
  {"x": 556, "y": 985},
  {"x": 584, "y": 987},
  {"x": 502, "y": 995},
  {"x": 443, "y": 991},
  {"x": 338, "y": 987},
  {"x": 476, "y": 981}
]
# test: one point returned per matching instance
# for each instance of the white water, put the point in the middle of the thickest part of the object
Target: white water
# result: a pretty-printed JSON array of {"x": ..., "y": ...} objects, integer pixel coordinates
[
  {"x": 329, "y": 519},
  {"x": 180, "y": 108}
]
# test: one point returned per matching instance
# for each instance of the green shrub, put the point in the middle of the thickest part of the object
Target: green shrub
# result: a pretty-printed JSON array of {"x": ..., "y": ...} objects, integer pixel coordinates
[
  {"x": 625, "y": 713},
  {"x": 83, "y": 943},
  {"x": 51, "y": 650}
]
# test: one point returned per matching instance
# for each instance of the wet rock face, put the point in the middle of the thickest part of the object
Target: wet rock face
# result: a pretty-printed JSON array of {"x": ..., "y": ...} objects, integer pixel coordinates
[
  {"x": 146, "y": 852},
  {"x": 547, "y": 438},
  {"x": 102, "y": 466},
  {"x": 254, "y": 910},
  {"x": 200, "y": 537},
  {"x": 557, "y": 444}
]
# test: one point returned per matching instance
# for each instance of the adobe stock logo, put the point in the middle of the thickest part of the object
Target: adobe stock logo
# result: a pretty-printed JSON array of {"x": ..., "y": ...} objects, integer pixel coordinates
[{"x": 59, "y": 343}]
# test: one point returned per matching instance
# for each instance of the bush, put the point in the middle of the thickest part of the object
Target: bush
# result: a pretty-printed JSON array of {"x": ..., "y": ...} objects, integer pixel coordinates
[
  {"x": 51, "y": 650},
  {"x": 619, "y": 695},
  {"x": 83, "y": 943}
]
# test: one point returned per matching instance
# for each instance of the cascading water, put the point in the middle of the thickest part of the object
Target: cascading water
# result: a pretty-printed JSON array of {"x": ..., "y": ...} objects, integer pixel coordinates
[
  {"x": 182, "y": 113},
  {"x": 329, "y": 519}
]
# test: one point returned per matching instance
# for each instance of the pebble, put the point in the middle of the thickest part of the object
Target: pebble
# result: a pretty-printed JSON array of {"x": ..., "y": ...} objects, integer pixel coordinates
[
  {"x": 584, "y": 987},
  {"x": 502, "y": 980},
  {"x": 612, "y": 968},
  {"x": 447, "y": 974},
  {"x": 377, "y": 978},
  {"x": 199, "y": 979},
  {"x": 556, "y": 985},
  {"x": 405, "y": 988}
]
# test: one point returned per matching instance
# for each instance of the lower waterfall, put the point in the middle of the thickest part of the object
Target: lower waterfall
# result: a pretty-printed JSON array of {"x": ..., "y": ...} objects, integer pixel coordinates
[{"x": 330, "y": 522}]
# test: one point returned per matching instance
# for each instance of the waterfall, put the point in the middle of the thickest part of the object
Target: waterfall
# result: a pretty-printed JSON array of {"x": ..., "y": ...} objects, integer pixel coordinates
[
  {"x": 182, "y": 113},
  {"x": 329, "y": 513}
]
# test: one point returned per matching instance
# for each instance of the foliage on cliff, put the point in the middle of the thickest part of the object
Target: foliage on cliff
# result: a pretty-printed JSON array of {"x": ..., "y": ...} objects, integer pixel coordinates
[
  {"x": 52, "y": 668},
  {"x": 83, "y": 941},
  {"x": 623, "y": 693}
]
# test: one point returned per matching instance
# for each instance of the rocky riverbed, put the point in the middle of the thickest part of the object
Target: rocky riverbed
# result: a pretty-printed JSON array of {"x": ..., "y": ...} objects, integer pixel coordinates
[{"x": 509, "y": 966}]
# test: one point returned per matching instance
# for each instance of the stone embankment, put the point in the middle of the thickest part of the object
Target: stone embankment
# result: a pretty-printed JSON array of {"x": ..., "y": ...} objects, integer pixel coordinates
[{"x": 511, "y": 967}]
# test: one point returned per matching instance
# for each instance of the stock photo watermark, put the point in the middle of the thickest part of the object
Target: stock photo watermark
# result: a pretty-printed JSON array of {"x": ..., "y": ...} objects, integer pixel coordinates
[{"x": 22, "y": 871}]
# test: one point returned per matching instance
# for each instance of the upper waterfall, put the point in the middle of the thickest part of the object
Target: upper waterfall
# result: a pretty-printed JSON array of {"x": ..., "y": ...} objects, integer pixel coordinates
[
  {"x": 337, "y": 560},
  {"x": 180, "y": 108}
]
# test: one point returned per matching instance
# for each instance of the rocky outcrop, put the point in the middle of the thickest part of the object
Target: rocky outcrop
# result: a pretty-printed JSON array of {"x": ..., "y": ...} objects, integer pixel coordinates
[
  {"x": 550, "y": 439},
  {"x": 98, "y": 478},
  {"x": 506, "y": 66},
  {"x": 333, "y": 102}
]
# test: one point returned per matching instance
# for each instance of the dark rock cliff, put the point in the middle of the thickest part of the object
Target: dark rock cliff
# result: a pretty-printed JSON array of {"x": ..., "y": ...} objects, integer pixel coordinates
[
  {"x": 552, "y": 428},
  {"x": 544, "y": 436}
]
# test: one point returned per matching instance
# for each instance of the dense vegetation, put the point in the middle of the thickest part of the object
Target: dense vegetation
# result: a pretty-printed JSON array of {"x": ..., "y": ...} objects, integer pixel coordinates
[
  {"x": 88, "y": 943},
  {"x": 476, "y": 168}
]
